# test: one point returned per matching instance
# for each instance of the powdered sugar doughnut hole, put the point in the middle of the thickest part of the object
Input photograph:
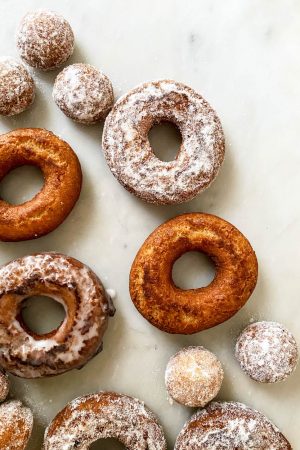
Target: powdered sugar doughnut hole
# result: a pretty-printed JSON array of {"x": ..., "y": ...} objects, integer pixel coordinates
[
  {"x": 267, "y": 352},
  {"x": 17, "y": 89},
  {"x": 83, "y": 93},
  {"x": 193, "y": 376},
  {"x": 45, "y": 39}
]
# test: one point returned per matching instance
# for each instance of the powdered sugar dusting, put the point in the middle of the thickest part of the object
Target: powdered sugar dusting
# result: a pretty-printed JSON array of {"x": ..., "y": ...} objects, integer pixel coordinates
[
  {"x": 105, "y": 415},
  {"x": 16, "y": 425},
  {"x": 45, "y": 39},
  {"x": 67, "y": 347},
  {"x": 193, "y": 376},
  {"x": 4, "y": 386},
  {"x": 16, "y": 87},
  {"x": 129, "y": 154},
  {"x": 83, "y": 93},
  {"x": 230, "y": 425},
  {"x": 267, "y": 352}
]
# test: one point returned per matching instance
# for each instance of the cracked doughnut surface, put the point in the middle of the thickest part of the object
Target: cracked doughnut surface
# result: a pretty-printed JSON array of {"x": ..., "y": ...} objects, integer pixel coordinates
[{"x": 77, "y": 339}]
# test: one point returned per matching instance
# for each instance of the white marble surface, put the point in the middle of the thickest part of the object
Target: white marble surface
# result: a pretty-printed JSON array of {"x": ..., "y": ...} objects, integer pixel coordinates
[{"x": 243, "y": 56}]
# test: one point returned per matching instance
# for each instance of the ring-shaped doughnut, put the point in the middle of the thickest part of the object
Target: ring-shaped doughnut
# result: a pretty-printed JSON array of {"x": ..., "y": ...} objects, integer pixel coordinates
[
  {"x": 105, "y": 415},
  {"x": 77, "y": 339},
  {"x": 174, "y": 310},
  {"x": 62, "y": 185},
  {"x": 230, "y": 425},
  {"x": 129, "y": 154}
]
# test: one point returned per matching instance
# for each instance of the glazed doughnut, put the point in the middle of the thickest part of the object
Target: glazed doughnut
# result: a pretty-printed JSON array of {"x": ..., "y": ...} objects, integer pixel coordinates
[
  {"x": 76, "y": 340},
  {"x": 267, "y": 352},
  {"x": 16, "y": 425},
  {"x": 4, "y": 385},
  {"x": 45, "y": 39},
  {"x": 17, "y": 89},
  {"x": 62, "y": 175},
  {"x": 105, "y": 415},
  {"x": 230, "y": 426},
  {"x": 193, "y": 376},
  {"x": 130, "y": 157},
  {"x": 174, "y": 310}
]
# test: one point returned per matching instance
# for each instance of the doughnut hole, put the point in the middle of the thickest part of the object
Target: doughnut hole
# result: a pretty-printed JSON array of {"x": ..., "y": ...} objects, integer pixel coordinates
[
  {"x": 41, "y": 314},
  {"x": 193, "y": 270},
  {"x": 165, "y": 140},
  {"x": 21, "y": 184},
  {"x": 107, "y": 444},
  {"x": 193, "y": 376}
]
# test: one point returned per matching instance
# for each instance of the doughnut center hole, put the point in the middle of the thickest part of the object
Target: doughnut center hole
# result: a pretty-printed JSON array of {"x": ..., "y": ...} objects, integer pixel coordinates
[
  {"x": 21, "y": 184},
  {"x": 107, "y": 444},
  {"x": 165, "y": 140},
  {"x": 42, "y": 314},
  {"x": 193, "y": 270}
]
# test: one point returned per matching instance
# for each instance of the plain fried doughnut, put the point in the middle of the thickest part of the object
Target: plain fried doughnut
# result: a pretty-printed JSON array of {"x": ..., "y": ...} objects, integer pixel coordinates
[
  {"x": 174, "y": 310},
  {"x": 62, "y": 185}
]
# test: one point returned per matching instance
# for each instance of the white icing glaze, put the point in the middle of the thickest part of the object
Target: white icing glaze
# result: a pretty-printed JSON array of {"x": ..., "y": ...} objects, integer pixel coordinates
[
  {"x": 16, "y": 87},
  {"x": 267, "y": 352},
  {"x": 65, "y": 349},
  {"x": 104, "y": 415},
  {"x": 129, "y": 154},
  {"x": 230, "y": 425}
]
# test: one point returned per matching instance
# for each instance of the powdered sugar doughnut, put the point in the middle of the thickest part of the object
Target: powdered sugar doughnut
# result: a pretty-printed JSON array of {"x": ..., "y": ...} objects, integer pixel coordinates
[
  {"x": 230, "y": 426},
  {"x": 193, "y": 376},
  {"x": 16, "y": 87},
  {"x": 83, "y": 93},
  {"x": 76, "y": 340},
  {"x": 45, "y": 39},
  {"x": 16, "y": 425},
  {"x": 267, "y": 352},
  {"x": 105, "y": 415},
  {"x": 4, "y": 385},
  {"x": 129, "y": 154}
]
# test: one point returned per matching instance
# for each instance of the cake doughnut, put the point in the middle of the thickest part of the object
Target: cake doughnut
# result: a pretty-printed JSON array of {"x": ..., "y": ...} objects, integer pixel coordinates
[
  {"x": 62, "y": 185},
  {"x": 16, "y": 425},
  {"x": 83, "y": 93},
  {"x": 78, "y": 338},
  {"x": 193, "y": 376},
  {"x": 4, "y": 385},
  {"x": 130, "y": 157},
  {"x": 175, "y": 310},
  {"x": 230, "y": 425},
  {"x": 17, "y": 89},
  {"x": 267, "y": 352},
  {"x": 105, "y": 415},
  {"x": 45, "y": 39}
]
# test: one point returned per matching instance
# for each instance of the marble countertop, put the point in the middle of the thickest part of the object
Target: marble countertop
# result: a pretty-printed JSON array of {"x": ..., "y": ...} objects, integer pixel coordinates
[{"x": 244, "y": 58}]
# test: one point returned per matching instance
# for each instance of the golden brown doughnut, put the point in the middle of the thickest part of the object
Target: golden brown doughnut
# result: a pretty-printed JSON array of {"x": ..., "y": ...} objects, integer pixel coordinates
[
  {"x": 174, "y": 310},
  {"x": 105, "y": 415},
  {"x": 15, "y": 425},
  {"x": 62, "y": 174},
  {"x": 77, "y": 339},
  {"x": 230, "y": 425}
]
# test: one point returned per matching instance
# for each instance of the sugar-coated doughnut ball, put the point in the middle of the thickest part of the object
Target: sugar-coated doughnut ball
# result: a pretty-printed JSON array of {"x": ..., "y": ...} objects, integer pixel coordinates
[
  {"x": 16, "y": 87},
  {"x": 193, "y": 376},
  {"x": 4, "y": 386},
  {"x": 267, "y": 352},
  {"x": 83, "y": 93},
  {"x": 45, "y": 39}
]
